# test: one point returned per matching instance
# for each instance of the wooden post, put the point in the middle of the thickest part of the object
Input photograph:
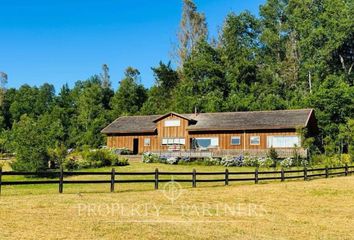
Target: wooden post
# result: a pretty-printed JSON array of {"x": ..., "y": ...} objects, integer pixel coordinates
[
  {"x": 346, "y": 170},
  {"x": 156, "y": 179},
  {"x": 113, "y": 177},
  {"x": 61, "y": 178},
  {"x": 282, "y": 175},
  {"x": 226, "y": 176},
  {"x": 326, "y": 172},
  {"x": 0, "y": 178},
  {"x": 256, "y": 176},
  {"x": 305, "y": 173},
  {"x": 194, "y": 179}
]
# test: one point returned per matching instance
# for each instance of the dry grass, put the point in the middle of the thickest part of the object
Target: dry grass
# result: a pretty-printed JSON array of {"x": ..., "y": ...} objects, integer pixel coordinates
[{"x": 319, "y": 209}]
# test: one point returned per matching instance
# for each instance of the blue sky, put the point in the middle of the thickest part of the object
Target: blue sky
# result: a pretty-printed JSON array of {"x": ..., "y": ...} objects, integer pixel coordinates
[{"x": 63, "y": 41}]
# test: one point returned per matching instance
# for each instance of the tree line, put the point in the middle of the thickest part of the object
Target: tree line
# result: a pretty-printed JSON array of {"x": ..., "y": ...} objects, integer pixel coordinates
[{"x": 296, "y": 54}]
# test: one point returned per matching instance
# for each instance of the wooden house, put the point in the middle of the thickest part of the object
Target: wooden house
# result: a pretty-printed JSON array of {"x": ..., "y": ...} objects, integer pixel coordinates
[{"x": 225, "y": 133}]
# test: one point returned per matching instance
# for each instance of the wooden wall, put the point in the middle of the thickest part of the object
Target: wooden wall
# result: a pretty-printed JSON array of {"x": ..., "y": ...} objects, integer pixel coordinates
[
  {"x": 225, "y": 138},
  {"x": 120, "y": 141}
]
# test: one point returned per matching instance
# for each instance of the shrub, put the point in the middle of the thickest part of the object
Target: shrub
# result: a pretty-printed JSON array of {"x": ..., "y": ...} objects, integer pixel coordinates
[
  {"x": 93, "y": 159},
  {"x": 172, "y": 160},
  {"x": 332, "y": 161},
  {"x": 250, "y": 161},
  {"x": 149, "y": 157},
  {"x": 71, "y": 164},
  {"x": 116, "y": 161},
  {"x": 266, "y": 162},
  {"x": 211, "y": 161},
  {"x": 272, "y": 154},
  {"x": 286, "y": 163},
  {"x": 346, "y": 159},
  {"x": 229, "y": 161}
]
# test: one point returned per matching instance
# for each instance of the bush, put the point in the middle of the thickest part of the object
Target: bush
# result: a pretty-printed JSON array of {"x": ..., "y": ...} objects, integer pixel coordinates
[
  {"x": 229, "y": 161},
  {"x": 272, "y": 154},
  {"x": 172, "y": 160},
  {"x": 119, "y": 161},
  {"x": 332, "y": 161},
  {"x": 71, "y": 164},
  {"x": 93, "y": 159},
  {"x": 266, "y": 162},
  {"x": 149, "y": 157},
  {"x": 346, "y": 159},
  {"x": 286, "y": 163},
  {"x": 250, "y": 161}
]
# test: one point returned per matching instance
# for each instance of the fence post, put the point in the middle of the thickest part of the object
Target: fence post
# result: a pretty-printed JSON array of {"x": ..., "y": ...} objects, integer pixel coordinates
[
  {"x": 0, "y": 178},
  {"x": 305, "y": 173},
  {"x": 346, "y": 169},
  {"x": 61, "y": 178},
  {"x": 156, "y": 179},
  {"x": 326, "y": 172},
  {"x": 194, "y": 178},
  {"x": 256, "y": 176},
  {"x": 226, "y": 176},
  {"x": 113, "y": 177},
  {"x": 282, "y": 175}
]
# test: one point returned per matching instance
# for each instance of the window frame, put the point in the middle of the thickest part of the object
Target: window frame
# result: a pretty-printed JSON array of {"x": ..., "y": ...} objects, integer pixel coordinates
[
  {"x": 236, "y": 137},
  {"x": 259, "y": 140},
  {"x": 210, "y": 146},
  {"x": 145, "y": 142},
  {"x": 172, "y": 120},
  {"x": 173, "y": 141},
  {"x": 283, "y": 136}
]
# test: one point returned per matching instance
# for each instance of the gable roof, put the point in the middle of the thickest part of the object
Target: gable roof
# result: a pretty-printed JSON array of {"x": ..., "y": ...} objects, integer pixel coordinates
[
  {"x": 184, "y": 116},
  {"x": 256, "y": 120}
]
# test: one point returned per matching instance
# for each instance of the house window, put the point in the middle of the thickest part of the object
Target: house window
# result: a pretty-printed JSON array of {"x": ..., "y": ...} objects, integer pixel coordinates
[
  {"x": 235, "y": 140},
  {"x": 146, "y": 142},
  {"x": 207, "y": 142},
  {"x": 172, "y": 123},
  {"x": 283, "y": 141},
  {"x": 255, "y": 140},
  {"x": 173, "y": 141}
]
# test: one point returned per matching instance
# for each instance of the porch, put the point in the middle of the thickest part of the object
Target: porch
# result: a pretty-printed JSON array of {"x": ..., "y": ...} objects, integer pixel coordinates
[{"x": 192, "y": 153}]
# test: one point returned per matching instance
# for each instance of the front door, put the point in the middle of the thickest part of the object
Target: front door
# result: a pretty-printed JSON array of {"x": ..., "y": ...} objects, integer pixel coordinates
[{"x": 135, "y": 146}]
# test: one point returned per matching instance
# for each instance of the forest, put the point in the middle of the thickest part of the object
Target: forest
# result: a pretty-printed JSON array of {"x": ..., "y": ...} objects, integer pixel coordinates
[{"x": 295, "y": 54}]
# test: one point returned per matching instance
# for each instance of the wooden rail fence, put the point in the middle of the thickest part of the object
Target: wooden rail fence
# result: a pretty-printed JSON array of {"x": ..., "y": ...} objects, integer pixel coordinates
[{"x": 228, "y": 176}]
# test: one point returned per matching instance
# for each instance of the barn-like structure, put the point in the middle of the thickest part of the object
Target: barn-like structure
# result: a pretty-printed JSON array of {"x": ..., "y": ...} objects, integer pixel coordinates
[{"x": 221, "y": 133}]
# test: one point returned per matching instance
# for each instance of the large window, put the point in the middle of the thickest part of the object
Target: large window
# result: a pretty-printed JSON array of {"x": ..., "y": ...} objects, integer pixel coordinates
[
  {"x": 283, "y": 141},
  {"x": 255, "y": 140},
  {"x": 207, "y": 142},
  {"x": 172, "y": 123},
  {"x": 173, "y": 141},
  {"x": 235, "y": 140}
]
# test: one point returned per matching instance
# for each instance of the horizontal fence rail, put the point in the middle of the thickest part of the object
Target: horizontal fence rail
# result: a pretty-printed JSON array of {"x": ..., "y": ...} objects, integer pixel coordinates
[{"x": 222, "y": 176}]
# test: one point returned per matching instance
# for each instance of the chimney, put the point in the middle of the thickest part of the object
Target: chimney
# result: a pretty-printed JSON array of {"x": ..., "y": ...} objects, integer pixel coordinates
[{"x": 195, "y": 111}]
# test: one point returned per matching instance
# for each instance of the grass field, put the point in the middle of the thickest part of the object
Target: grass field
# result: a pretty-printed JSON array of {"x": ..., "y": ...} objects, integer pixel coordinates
[{"x": 318, "y": 209}]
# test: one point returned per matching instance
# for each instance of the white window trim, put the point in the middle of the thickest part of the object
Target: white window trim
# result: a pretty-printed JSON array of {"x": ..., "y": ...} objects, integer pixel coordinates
[
  {"x": 172, "y": 122},
  {"x": 173, "y": 141},
  {"x": 147, "y": 144},
  {"x": 255, "y": 144},
  {"x": 298, "y": 145},
  {"x": 236, "y": 137}
]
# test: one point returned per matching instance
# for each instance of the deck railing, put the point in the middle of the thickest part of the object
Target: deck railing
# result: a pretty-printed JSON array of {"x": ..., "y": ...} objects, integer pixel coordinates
[{"x": 282, "y": 153}]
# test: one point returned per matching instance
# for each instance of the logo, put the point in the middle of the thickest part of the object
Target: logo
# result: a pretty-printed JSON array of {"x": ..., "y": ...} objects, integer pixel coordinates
[{"x": 172, "y": 190}]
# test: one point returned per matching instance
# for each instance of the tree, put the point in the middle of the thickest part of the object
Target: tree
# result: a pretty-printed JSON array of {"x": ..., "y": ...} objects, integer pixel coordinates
[
  {"x": 193, "y": 28},
  {"x": 160, "y": 95},
  {"x": 29, "y": 142},
  {"x": 130, "y": 96},
  {"x": 3, "y": 82}
]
